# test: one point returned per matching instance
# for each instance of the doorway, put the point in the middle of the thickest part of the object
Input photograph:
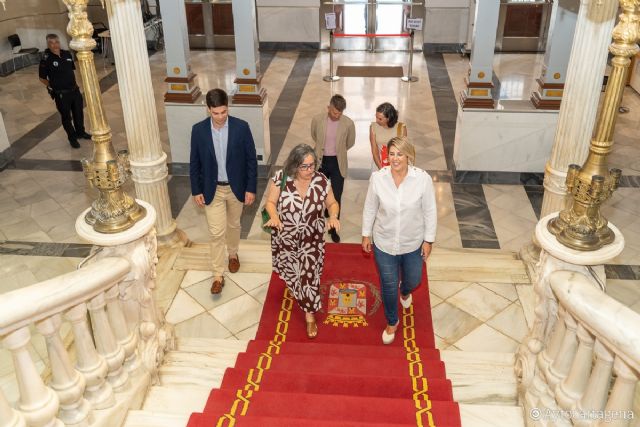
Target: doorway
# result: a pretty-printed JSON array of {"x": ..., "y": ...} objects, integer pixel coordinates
[{"x": 379, "y": 17}]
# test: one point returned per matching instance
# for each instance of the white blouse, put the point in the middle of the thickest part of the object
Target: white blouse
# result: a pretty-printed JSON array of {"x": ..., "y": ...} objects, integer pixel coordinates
[{"x": 400, "y": 218}]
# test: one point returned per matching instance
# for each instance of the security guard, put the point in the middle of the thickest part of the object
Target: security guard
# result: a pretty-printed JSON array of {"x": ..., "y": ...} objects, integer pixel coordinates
[{"x": 56, "y": 73}]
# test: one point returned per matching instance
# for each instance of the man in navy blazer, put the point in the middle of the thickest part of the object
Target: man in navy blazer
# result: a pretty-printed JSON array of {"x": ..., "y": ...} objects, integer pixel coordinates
[{"x": 223, "y": 170}]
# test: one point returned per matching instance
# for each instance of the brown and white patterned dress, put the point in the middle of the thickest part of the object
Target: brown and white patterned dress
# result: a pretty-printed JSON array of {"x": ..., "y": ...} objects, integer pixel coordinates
[{"x": 298, "y": 250}]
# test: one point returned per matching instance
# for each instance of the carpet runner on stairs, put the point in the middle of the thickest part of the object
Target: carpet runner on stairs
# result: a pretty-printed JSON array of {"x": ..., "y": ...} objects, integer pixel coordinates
[{"x": 344, "y": 377}]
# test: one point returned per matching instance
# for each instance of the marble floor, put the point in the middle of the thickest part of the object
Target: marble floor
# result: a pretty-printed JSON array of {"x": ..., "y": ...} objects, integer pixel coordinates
[{"x": 44, "y": 190}]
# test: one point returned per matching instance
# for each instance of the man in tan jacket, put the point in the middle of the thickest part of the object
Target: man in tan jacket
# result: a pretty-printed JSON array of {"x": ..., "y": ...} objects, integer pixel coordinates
[{"x": 333, "y": 134}]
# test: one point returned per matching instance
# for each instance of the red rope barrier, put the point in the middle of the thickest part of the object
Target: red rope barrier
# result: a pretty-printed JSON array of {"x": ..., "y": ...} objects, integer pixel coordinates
[{"x": 372, "y": 35}]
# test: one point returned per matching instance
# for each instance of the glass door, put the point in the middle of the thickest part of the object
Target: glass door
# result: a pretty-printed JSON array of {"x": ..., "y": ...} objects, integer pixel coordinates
[{"x": 383, "y": 18}]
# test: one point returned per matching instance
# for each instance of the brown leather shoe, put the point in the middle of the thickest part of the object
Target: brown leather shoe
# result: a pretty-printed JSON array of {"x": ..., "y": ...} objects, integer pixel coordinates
[
  {"x": 216, "y": 286},
  {"x": 234, "y": 264}
]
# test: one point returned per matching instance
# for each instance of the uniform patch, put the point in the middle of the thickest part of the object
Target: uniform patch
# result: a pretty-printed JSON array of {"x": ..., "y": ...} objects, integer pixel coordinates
[{"x": 350, "y": 303}]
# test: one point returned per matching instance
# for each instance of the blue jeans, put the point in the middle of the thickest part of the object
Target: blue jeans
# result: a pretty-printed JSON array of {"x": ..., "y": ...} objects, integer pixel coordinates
[{"x": 391, "y": 268}]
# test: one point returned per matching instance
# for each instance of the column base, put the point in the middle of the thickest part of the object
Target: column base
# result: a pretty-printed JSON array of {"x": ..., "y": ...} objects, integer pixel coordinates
[
  {"x": 477, "y": 95},
  {"x": 182, "y": 89},
  {"x": 548, "y": 96},
  {"x": 175, "y": 239},
  {"x": 183, "y": 98},
  {"x": 240, "y": 98},
  {"x": 471, "y": 102}
]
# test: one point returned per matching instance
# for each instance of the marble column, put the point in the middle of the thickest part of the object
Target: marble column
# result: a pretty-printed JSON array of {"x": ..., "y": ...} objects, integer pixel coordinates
[
  {"x": 248, "y": 77},
  {"x": 582, "y": 89},
  {"x": 556, "y": 57},
  {"x": 249, "y": 99},
  {"x": 180, "y": 79},
  {"x": 148, "y": 161},
  {"x": 478, "y": 93}
]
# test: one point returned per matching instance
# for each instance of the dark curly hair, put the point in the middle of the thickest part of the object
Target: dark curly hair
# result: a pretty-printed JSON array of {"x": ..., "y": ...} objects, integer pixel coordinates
[{"x": 390, "y": 112}]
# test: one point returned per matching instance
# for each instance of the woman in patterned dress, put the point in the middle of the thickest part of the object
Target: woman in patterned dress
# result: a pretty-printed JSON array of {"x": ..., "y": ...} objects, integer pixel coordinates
[{"x": 298, "y": 226}]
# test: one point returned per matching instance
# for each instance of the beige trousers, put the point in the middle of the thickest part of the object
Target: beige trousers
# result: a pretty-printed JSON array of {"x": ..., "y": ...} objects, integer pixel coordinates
[{"x": 223, "y": 217}]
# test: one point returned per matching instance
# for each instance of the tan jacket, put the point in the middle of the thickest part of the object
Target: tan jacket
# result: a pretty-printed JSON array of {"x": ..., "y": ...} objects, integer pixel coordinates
[{"x": 345, "y": 138}]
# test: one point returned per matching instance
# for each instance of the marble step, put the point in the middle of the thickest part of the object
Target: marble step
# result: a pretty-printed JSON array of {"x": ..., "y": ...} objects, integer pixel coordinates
[
  {"x": 463, "y": 265},
  {"x": 482, "y": 378},
  {"x": 155, "y": 419},
  {"x": 176, "y": 399},
  {"x": 471, "y": 416},
  {"x": 190, "y": 376},
  {"x": 211, "y": 344},
  {"x": 201, "y": 359},
  {"x": 476, "y": 377},
  {"x": 491, "y": 416},
  {"x": 476, "y": 265},
  {"x": 255, "y": 257}
]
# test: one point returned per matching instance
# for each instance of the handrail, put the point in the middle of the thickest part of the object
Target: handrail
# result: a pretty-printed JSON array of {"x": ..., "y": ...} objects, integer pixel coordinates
[
  {"x": 596, "y": 312},
  {"x": 22, "y": 307}
]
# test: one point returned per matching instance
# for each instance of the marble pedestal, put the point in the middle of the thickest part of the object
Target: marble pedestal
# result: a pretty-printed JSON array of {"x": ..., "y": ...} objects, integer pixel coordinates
[
  {"x": 181, "y": 118},
  {"x": 556, "y": 257},
  {"x": 550, "y": 244},
  {"x": 503, "y": 140},
  {"x": 141, "y": 228}
]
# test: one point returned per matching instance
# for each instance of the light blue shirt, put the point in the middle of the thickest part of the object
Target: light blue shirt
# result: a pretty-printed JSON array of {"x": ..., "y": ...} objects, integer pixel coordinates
[{"x": 220, "y": 143}]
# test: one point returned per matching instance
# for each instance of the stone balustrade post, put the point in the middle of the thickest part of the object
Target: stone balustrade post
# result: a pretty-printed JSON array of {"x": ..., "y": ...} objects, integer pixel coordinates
[
  {"x": 75, "y": 410},
  {"x": 90, "y": 363},
  {"x": 571, "y": 389},
  {"x": 138, "y": 245},
  {"x": 549, "y": 354},
  {"x": 107, "y": 345},
  {"x": 127, "y": 339},
  {"x": 38, "y": 403},
  {"x": 560, "y": 366},
  {"x": 621, "y": 397},
  {"x": 9, "y": 416},
  {"x": 597, "y": 389}
]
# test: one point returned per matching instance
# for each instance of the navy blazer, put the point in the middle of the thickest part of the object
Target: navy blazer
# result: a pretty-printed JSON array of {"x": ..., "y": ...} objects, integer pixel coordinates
[{"x": 242, "y": 166}]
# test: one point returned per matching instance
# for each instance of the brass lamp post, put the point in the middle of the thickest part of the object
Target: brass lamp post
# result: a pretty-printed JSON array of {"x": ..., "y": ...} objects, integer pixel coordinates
[
  {"x": 114, "y": 210},
  {"x": 580, "y": 225}
]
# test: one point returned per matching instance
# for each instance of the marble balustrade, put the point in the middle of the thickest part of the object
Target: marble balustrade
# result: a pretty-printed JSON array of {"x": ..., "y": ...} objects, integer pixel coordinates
[
  {"x": 589, "y": 366},
  {"x": 118, "y": 340}
]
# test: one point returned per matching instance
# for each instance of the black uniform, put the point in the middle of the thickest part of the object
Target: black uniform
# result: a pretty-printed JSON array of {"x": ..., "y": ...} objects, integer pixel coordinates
[{"x": 62, "y": 80}]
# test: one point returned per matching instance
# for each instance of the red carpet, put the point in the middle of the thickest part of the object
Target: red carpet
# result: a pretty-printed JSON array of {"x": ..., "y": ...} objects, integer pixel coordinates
[{"x": 345, "y": 377}]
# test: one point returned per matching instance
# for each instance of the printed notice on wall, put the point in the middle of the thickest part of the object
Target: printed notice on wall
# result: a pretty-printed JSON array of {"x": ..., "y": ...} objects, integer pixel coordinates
[
  {"x": 330, "y": 20},
  {"x": 414, "y": 24}
]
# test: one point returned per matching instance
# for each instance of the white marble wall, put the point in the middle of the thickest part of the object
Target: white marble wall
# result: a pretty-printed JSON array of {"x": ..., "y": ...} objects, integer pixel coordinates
[
  {"x": 507, "y": 141},
  {"x": 31, "y": 20},
  {"x": 446, "y": 21},
  {"x": 181, "y": 117},
  {"x": 288, "y": 21}
]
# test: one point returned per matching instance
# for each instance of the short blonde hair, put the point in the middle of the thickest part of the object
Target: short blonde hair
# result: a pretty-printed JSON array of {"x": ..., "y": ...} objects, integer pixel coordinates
[{"x": 404, "y": 146}]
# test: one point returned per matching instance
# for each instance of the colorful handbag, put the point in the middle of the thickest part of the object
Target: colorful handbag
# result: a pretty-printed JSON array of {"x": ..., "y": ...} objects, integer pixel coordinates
[{"x": 265, "y": 215}]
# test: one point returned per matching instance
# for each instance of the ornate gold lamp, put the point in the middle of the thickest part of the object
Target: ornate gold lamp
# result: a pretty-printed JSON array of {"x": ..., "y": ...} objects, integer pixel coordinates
[
  {"x": 580, "y": 225},
  {"x": 114, "y": 210}
]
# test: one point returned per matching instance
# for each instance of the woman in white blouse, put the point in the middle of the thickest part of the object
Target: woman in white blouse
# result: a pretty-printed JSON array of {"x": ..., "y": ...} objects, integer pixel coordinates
[{"x": 400, "y": 216}]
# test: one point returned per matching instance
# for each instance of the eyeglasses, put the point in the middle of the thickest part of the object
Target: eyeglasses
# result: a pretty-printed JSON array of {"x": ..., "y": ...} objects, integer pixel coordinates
[{"x": 307, "y": 166}]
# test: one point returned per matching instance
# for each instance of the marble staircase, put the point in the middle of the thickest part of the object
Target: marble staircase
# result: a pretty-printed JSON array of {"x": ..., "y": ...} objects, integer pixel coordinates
[{"x": 484, "y": 384}]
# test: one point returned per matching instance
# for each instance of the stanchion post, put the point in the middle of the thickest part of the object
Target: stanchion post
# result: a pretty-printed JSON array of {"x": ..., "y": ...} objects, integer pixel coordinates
[
  {"x": 410, "y": 77},
  {"x": 331, "y": 77}
]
